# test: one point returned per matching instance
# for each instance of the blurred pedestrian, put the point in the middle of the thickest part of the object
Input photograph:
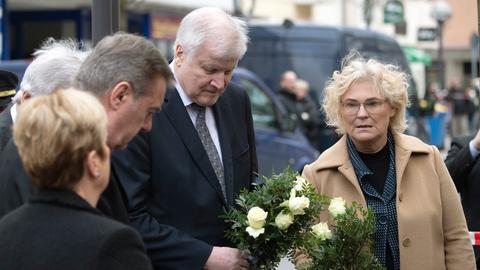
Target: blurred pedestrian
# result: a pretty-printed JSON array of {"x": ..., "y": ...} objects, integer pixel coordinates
[
  {"x": 200, "y": 153},
  {"x": 54, "y": 66},
  {"x": 294, "y": 95},
  {"x": 287, "y": 92},
  {"x": 307, "y": 111},
  {"x": 61, "y": 139},
  {"x": 8, "y": 83},
  {"x": 419, "y": 222},
  {"x": 459, "y": 101}
]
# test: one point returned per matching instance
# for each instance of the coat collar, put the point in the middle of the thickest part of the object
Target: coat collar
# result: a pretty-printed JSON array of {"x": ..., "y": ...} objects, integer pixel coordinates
[
  {"x": 337, "y": 156},
  {"x": 62, "y": 197}
]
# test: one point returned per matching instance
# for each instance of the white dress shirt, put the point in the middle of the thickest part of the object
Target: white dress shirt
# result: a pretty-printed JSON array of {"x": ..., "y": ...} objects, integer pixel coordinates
[{"x": 209, "y": 117}]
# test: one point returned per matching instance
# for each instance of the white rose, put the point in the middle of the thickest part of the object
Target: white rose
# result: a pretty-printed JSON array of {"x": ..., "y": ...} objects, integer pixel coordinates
[
  {"x": 298, "y": 204},
  {"x": 256, "y": 217},
  {"x": 322, "y": 231},
  {"x": 254, "y": 232},
  {"x": 299, "y": 183},
  {"x": 337, "y": 206},
  {"x": 283, "y": 221}
]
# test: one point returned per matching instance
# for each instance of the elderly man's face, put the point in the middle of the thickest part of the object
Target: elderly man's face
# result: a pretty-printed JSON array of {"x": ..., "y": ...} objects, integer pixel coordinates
[
  {"x": 135, "y": 114},
  {"x": 204, "y": 77}
]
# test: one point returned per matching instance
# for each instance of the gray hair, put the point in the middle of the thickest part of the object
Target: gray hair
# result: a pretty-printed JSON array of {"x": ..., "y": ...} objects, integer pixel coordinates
[
  {"x": 122, "y": 57},
  {"x": 55, "y": 65},
  {"x": 226, "y": 34}
]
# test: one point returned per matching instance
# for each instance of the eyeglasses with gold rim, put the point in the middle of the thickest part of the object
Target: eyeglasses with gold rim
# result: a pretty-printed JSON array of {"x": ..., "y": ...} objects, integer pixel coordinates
[{"x": 372, "y": 106}]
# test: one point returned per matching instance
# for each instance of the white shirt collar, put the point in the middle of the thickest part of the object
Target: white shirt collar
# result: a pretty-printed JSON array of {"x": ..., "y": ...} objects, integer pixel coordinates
[
  {"x": 13, "y": 112},
  {"x": 185, "y": 99}
]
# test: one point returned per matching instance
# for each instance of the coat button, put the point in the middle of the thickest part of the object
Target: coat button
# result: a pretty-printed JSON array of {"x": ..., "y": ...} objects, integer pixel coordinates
[
  {"x": 382, "y": 220},
  {"x": 400, "y": 197},
  {"x": 406, "y": 242}
]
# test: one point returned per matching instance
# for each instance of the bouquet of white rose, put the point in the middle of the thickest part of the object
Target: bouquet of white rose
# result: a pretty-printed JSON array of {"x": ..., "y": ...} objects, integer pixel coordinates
[
  {"x": 281, "y": 215},
  {"x": 347, "y": 245},
  {"x": 271, "y": 220}
]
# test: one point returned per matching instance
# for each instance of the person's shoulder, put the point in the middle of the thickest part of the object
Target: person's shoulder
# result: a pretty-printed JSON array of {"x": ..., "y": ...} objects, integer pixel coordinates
[
  {"x": 234, "y": 95},
  {"x": 411, "y": 143},
  {"x": 235, "y": 89},
  {"x": 12, "y": 217},
  {"x": 101, "y": 223},
  {"x": 462, "y": 140},
  {"x": 333, "y": 157},
  {"x": 6, "y": 116}
]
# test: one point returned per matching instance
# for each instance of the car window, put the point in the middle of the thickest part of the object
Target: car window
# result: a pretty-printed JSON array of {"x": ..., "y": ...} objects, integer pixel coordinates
[{"x": 262, "y": 107}]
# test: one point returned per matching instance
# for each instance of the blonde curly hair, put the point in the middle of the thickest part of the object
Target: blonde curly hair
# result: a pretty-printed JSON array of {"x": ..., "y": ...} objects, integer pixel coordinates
[{"x": 389, "y": 80}]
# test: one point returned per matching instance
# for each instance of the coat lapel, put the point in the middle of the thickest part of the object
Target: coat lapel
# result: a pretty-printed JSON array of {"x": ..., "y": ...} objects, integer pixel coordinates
[
  {"x": 337, "y": 157},
  {"x": 177, "y": 114},
  {"x": 220, "y": 110},
  {"x": 405, "y": 147}
]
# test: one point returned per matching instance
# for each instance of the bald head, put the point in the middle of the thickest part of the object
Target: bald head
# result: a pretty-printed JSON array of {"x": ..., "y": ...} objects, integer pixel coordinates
[{"x": 288, "y": 81}]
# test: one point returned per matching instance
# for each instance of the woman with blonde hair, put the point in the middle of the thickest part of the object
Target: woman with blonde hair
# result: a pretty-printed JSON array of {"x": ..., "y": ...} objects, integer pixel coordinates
[
  {"x": 419, "y": 222},
  {"x": 61, "y": 139}
]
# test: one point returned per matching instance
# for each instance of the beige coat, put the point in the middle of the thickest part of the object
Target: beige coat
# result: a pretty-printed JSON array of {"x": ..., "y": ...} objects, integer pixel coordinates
[{"x": 431, "y": 226}]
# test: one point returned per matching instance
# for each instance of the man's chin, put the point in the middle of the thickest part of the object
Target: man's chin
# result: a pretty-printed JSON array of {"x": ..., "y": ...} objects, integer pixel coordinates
[
  {"x": 118, "y": 146},
  {"x": 207, "y": 102}
]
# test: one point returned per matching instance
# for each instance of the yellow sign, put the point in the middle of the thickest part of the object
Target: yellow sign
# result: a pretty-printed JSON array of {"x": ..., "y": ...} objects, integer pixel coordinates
[{"x": 164, "y": 27}]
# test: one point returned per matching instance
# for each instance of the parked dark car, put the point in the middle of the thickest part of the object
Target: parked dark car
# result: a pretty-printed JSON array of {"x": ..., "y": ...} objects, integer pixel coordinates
[
  {"x": 279, "y": 141},
  {"x": 314, "y": 52}
]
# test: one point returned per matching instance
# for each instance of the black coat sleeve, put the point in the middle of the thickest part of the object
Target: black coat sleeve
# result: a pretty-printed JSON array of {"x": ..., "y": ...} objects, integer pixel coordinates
[
  {"x": 123, "y": 249},
  {"x": 15, "y": 184},
  {"x": 167, "y": 247},
  {"x": 459, "y": 162}
]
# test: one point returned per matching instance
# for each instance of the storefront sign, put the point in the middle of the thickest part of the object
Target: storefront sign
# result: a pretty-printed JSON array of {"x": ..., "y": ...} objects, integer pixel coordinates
[{"x": 393, "y": 12}]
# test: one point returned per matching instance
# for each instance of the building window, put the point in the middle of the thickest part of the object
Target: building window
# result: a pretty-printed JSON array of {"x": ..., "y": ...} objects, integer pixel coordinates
[{"x": 303, "y": 12}]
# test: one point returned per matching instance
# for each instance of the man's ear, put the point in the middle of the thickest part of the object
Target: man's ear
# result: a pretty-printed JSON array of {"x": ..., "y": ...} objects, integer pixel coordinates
[
  {"x": 179, "y": 55},
  {"x": 120, "y": 93},
  {"x": 25, "y": 95}
]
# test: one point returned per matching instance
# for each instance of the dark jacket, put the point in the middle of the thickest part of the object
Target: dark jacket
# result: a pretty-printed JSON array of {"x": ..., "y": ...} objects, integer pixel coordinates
[
  {"x": 174, "y": 196},
  {"x": 57, "y": 229},
  {"x": 465, "y": 172},
  {"x": 5, "y": 127},
  {"x": 15, "y": 185}
]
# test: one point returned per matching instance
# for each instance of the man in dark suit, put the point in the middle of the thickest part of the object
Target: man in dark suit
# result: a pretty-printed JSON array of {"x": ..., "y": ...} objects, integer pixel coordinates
[
  {"x": 463, "y": 163},
  {"x": 180, "y": 176},
  {"x": 55, "y": 65},
  {"x": 129, "y": 76},
  {"x": 8, "y": 83}
]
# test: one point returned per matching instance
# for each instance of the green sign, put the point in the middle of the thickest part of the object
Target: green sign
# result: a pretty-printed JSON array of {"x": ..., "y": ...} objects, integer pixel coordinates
[{"x": 393, "y": 12}]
